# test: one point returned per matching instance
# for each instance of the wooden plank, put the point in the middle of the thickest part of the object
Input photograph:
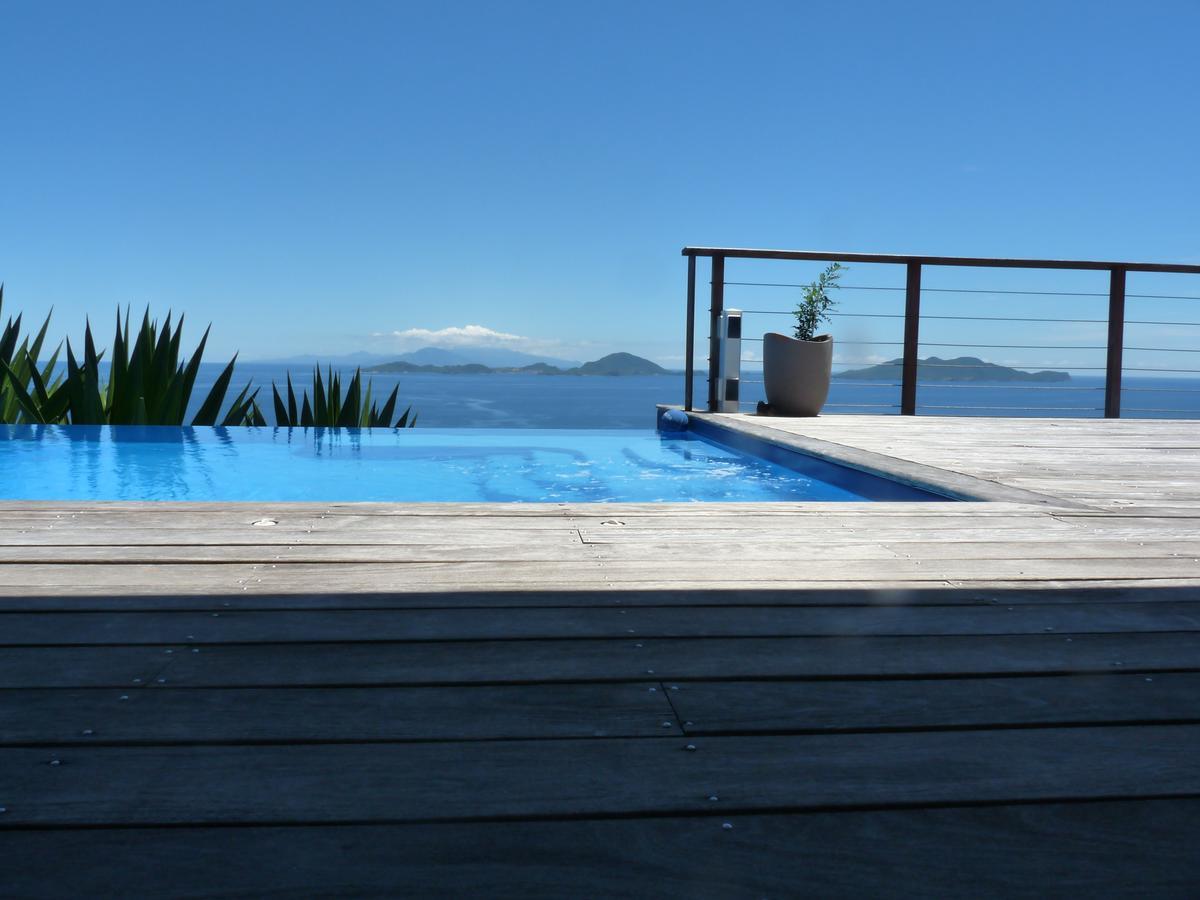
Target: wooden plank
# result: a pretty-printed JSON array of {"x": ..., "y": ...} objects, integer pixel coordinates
[
  {"x": 751, "y": 548},
  {"x": 97, "y": 716},
  {"x": 121, "y": 667},
  {"x": 707, "y": 593},
  {"x": 47, "y": 628},
  {"x": 326, "y": 783},
  {"x": 472, "y": 662},
  {"x": 744, "y": 707},
  {"x": 584, "y": 573},
  {"x": 110, "y": 536},
  {"x": 1142, "y": 848},
  {"x": 519, "y": 662},
  {"x": 534, "y": 551}
]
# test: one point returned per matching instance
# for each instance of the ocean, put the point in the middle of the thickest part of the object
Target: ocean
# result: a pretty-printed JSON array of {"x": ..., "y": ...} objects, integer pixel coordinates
[{"x": 541, "y": 401}]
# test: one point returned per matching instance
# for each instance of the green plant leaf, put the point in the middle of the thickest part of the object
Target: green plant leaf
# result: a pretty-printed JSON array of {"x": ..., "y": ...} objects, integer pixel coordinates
[
  {"x": 385, "y": 414},
  {"x": 211, "y": 407},
  {"x": 281, "y": 414},
  {"x": 27, "y": 404},
  {"x": 349, "y": 415},
  {"x": 319, "y": 407},
  {"x": 291, "y": 410}
]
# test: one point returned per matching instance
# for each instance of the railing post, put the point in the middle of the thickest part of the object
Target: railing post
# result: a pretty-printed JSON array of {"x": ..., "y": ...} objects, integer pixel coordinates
[
  {"x": 912, "y": 328},
  {"x": 689, "y": 364},
  {"x": 1116, "y": 343},
  {"x": 714, "y": 328}
]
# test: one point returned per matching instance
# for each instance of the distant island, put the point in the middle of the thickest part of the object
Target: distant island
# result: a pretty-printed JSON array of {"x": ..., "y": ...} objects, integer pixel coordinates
[
  {"x": 613, "y": 364},
  {"x": 962, "y": 368}
]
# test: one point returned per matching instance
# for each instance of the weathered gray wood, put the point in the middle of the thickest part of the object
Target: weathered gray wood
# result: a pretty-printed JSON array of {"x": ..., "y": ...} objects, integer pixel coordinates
[
  {"x": 17, "y": 629},
  {"x": 1135, "y": 849},
  {"x": 1124, "y": 462},
  {"x": 97, "y": 716},
  {"x": 736, "y": 548},
  {"x": 584, "y": 573},
  {"x": 558, "y": 550},
  {"x": 321, "y": 783},
  {"x": 750, "y": 706}
]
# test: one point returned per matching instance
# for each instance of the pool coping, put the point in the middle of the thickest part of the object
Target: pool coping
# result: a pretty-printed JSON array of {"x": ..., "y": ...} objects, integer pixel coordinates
[{"x": 949, "y": 484}]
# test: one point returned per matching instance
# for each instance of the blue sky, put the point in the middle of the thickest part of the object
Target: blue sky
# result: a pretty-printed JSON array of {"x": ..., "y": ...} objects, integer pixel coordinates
[{"x": 324, "y": 177}]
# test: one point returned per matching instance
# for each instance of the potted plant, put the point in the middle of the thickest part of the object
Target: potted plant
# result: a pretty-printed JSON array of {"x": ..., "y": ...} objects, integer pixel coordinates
[{"x": 796, "y": 370}]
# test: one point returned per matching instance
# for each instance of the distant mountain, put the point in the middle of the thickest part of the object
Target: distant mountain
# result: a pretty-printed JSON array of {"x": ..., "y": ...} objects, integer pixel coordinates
[
  {"x": 495, "y": 357},
  {"x": 620, "y": 364},
  {"x": 613, "y": 364},
  {"x": 962, "y": 368}
]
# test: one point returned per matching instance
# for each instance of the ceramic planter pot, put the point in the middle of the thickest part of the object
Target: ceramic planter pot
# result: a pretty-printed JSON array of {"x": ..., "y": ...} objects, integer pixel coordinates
[{"x": 797, "y": 373}]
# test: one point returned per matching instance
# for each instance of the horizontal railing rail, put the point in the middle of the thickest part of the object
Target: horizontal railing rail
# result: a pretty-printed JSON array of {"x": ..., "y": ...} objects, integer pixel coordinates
[{"x": 1115, "y": 321}]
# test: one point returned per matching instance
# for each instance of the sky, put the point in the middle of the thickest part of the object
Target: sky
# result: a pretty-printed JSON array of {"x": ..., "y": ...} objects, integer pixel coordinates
[{"x": 338, "y": 177}]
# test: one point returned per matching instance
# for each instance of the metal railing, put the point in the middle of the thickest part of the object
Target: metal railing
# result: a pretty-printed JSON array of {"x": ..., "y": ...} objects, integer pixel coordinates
[{"x": 1115, "y": 321}]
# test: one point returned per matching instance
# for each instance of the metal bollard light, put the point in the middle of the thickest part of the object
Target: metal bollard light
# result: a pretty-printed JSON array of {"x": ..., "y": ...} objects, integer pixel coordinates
[{"x": 729, "y": 369}]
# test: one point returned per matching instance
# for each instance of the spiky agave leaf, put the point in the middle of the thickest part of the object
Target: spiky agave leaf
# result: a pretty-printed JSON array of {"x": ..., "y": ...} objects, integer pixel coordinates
[
  {"x": 333, "y": 407},
  {"x": 349, "y": 415},
  {"x": 291, "y": 407},
  {"x": 385, "y": 414},
  {"x": 52, "y": 401},
  {"x": 24, "y": 402},
  {"x": 21, "y": 356},
  {"x": 240, "y": 411},
  {"x": 281, "y": 412},
  {"x": 209, "y": 409},
  {"x": 319, "y": 407}
]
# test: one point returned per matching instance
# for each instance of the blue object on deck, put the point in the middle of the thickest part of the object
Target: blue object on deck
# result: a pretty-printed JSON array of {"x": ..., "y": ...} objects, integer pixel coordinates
[{"x": 673, "y": 420}]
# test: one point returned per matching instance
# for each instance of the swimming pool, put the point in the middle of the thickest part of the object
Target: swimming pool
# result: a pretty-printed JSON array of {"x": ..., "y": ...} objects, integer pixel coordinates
[{"x": 423, "y": 464}]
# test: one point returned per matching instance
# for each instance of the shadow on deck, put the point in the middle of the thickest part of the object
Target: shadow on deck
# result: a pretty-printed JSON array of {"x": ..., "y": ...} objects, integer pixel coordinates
[{"x": 602, "y": 743}]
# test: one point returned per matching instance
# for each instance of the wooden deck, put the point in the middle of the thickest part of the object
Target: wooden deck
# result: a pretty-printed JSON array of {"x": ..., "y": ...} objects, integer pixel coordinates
[{"x": 998, "y": 698}]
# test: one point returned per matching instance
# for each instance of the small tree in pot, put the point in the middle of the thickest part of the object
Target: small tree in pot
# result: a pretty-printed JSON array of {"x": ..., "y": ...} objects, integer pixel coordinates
[{"x": 796, "y": 371}]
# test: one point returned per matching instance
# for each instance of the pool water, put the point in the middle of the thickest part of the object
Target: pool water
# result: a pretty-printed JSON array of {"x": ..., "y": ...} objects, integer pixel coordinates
[{"x": 422, "y": 464}]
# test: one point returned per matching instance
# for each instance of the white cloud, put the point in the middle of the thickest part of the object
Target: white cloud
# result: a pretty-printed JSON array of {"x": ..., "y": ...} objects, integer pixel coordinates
[{"x": 454, "y": 336}]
